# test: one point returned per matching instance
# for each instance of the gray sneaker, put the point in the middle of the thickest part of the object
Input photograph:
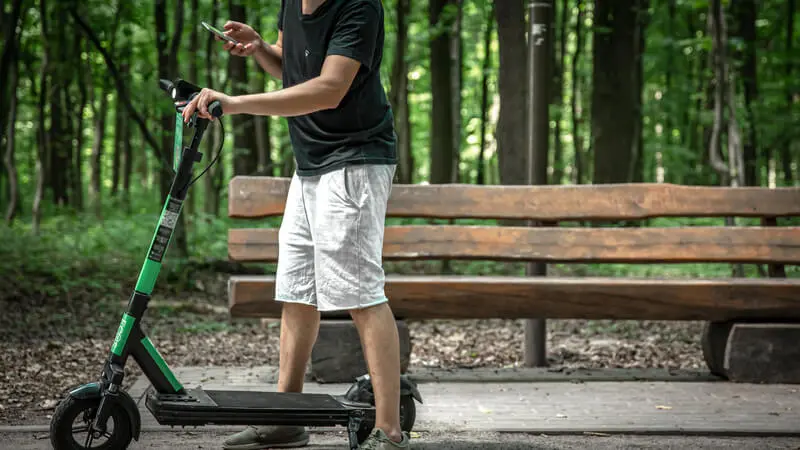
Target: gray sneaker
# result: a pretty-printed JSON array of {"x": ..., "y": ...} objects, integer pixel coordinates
[
  {"x": 379, "y": 441},
  {"x": 258, "y": 438}
]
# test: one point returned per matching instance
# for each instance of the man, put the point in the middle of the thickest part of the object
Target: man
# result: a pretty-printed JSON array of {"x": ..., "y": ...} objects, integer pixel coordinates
[{"x": 328, "y": 54}]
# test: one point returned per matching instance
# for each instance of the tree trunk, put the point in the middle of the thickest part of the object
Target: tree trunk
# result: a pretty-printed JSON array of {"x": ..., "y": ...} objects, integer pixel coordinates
[
  {"x": 127, "y": 166},
  {"x": 96, "y": 176},
  {"x": 190, "y": 204},
  {"x": 166, "y": 118},
  {"x": 716, "y": 19},
  {"x": 485, "y": 72},
  {"x": 399, "y": 95},
  {"x": 262, "y": 131},
  {"x": 747, "y": 13},
  {"x": 167, "y": 49},
  {"x": 457, "y": 58},
  {"x": 42, "y": 147},
  {"x": 119, "y": 135},
  {"x": 558, "y": 91},
  {"x": 512, "y": 124},
  {"x": 9, "y": 160},
  {"x": 786, "y": 148},
  {"x": 77, "y": 178},
  {"x": 59, "y": 160},
  {"x": 575, "y": 99},
  {"x": 637, "y": 166},
  {"x": 9, "y": 27},
  {"x": 211, "y": 198},
  {"x": 614, "y": 90},
  {"x": 442, "y": 137},
  {"x": 245, "y": 158}
]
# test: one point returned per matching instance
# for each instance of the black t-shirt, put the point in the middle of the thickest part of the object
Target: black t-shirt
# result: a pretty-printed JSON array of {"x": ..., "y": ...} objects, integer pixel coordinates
[{"x": 361, "y": 129}]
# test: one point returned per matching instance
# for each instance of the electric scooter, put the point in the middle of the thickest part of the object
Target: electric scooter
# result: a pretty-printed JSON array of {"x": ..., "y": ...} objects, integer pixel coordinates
[{"x": 104, "y": 411}]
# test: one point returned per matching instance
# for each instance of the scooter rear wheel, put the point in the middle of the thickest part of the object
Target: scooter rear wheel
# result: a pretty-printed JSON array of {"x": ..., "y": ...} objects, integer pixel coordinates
[{"x": 65, "y": 434}]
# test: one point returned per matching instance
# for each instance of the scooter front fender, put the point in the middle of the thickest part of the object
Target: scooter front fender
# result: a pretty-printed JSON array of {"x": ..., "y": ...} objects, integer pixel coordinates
[{"x": 123, "y": 399}]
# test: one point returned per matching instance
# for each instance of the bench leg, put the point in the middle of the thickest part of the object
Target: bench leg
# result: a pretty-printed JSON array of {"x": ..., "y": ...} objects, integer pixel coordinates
[
  {"x": 714, "y": 342},
  {"x": 338, "y": 357}
]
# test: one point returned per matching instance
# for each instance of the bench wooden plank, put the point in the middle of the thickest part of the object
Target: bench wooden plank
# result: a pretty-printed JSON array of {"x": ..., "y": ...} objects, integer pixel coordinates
[
  {"x": 253, "y": 197},
  {"x": 626, "y": 245},
  {"x": 461, "y": 297}
]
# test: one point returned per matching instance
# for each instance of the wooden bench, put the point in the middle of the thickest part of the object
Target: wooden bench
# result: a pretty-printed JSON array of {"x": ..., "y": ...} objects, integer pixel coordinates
[{"x": 748, "y": 317}]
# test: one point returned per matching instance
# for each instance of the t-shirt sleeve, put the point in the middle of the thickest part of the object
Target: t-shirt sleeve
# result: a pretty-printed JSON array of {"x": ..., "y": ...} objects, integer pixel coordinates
[
  {"x": 355, "y": 33},
  {"x": 280, "y": 15}
]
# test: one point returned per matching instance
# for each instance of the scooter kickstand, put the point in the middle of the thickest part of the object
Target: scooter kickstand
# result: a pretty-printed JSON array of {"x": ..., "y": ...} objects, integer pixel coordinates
[{"x": 352, "y": 430}]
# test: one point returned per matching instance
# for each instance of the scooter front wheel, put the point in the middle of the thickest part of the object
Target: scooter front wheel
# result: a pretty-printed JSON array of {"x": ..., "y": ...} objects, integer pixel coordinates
[{"x": 70, "y": 427}]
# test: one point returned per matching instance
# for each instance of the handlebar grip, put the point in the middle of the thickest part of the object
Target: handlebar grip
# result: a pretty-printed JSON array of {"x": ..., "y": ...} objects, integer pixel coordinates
[{"x": 215, "y": 109}]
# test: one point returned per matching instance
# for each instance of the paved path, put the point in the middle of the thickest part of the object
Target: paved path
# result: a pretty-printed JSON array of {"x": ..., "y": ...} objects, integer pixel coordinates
[
  {"x": 461, "y": 441},
  {"x": 651, "y": 407}
]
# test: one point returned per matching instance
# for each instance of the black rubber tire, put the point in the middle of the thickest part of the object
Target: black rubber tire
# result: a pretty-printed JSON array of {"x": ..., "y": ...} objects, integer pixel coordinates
[
  {"x": 71, "y": 408},
  {"x": 408, "y": 415}
]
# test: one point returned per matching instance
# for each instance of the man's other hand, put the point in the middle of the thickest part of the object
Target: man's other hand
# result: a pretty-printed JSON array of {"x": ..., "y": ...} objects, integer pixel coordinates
[{"x": 249, "y": 39}]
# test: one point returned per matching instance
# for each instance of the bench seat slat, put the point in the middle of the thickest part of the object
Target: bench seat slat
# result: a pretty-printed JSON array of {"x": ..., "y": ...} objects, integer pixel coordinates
[
  {"x": 255, "y": 196},
  {"x": 465, "y": 297},
  {"x": 623, "y": 245}
]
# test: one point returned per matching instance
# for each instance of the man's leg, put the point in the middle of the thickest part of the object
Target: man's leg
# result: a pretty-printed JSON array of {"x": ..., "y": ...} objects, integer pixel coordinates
[
  {"x": 295, "y": 287},
  {"x": 299, "y": 330},
  {"x": 349, "y": 219},
  {"x": 381, "y": 343}
]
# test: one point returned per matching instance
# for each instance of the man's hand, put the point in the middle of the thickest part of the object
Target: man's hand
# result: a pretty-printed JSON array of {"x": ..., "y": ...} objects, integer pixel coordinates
[
  {"x": 249, "y": 39},
  {"x": 201, "y": 101}
]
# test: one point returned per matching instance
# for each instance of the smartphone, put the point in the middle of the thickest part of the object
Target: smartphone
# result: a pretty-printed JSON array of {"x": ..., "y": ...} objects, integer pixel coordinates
[{"x": 219, "y": 33}]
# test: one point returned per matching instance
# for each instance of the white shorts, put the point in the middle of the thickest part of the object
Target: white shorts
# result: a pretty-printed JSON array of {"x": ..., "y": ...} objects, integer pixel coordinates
[{"x": 330, "y": 243}]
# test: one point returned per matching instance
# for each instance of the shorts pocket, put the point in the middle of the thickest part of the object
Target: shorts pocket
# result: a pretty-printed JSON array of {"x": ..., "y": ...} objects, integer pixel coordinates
[{"x": 353, "y": 183}]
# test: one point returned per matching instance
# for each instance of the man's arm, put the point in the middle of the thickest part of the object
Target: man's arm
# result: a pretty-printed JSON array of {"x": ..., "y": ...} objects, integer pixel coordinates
[
  {"x": 270, "y": 57},
  {"x": 323, "y": 92}
]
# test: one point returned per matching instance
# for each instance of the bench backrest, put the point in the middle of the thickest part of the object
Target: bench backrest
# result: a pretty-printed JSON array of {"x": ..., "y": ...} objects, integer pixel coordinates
[{"x": 260, "y": 197}]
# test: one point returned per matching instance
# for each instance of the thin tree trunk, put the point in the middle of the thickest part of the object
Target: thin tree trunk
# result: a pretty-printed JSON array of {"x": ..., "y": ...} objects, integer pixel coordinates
[
  {"x": 262, "y": 130},
  {"x": 77, "y": 179},
  {"x": 128, "y": 164},
  {"x": 119, "y": 134},
  {"x": 441, "y": 72},
  {"x": 42, "y": 147},
  {"x": 730, "y": 172},
  {"x": 575, "y": 100},
  {"x": 747, "y": 13},
  {"x": 716, "y": 17},
  {"x": 558, "y": 93},
  {"x": 786, "y": 148},
  {"x": 10, "y": 25},
  {"x": 211, "y": 192},
  {"x": 457, "y": 58},
  {"x": 637, "y": 163},
  {"x": 95, "y": 178},
  {"x": 9, "y": 160},
  {"x": 399, "y": 94},
  {"x": 485, "y": 71}
]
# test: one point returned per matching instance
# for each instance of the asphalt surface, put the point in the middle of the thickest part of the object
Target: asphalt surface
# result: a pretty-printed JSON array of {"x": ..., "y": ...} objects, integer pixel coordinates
[{"x": 195, "y": 440}]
